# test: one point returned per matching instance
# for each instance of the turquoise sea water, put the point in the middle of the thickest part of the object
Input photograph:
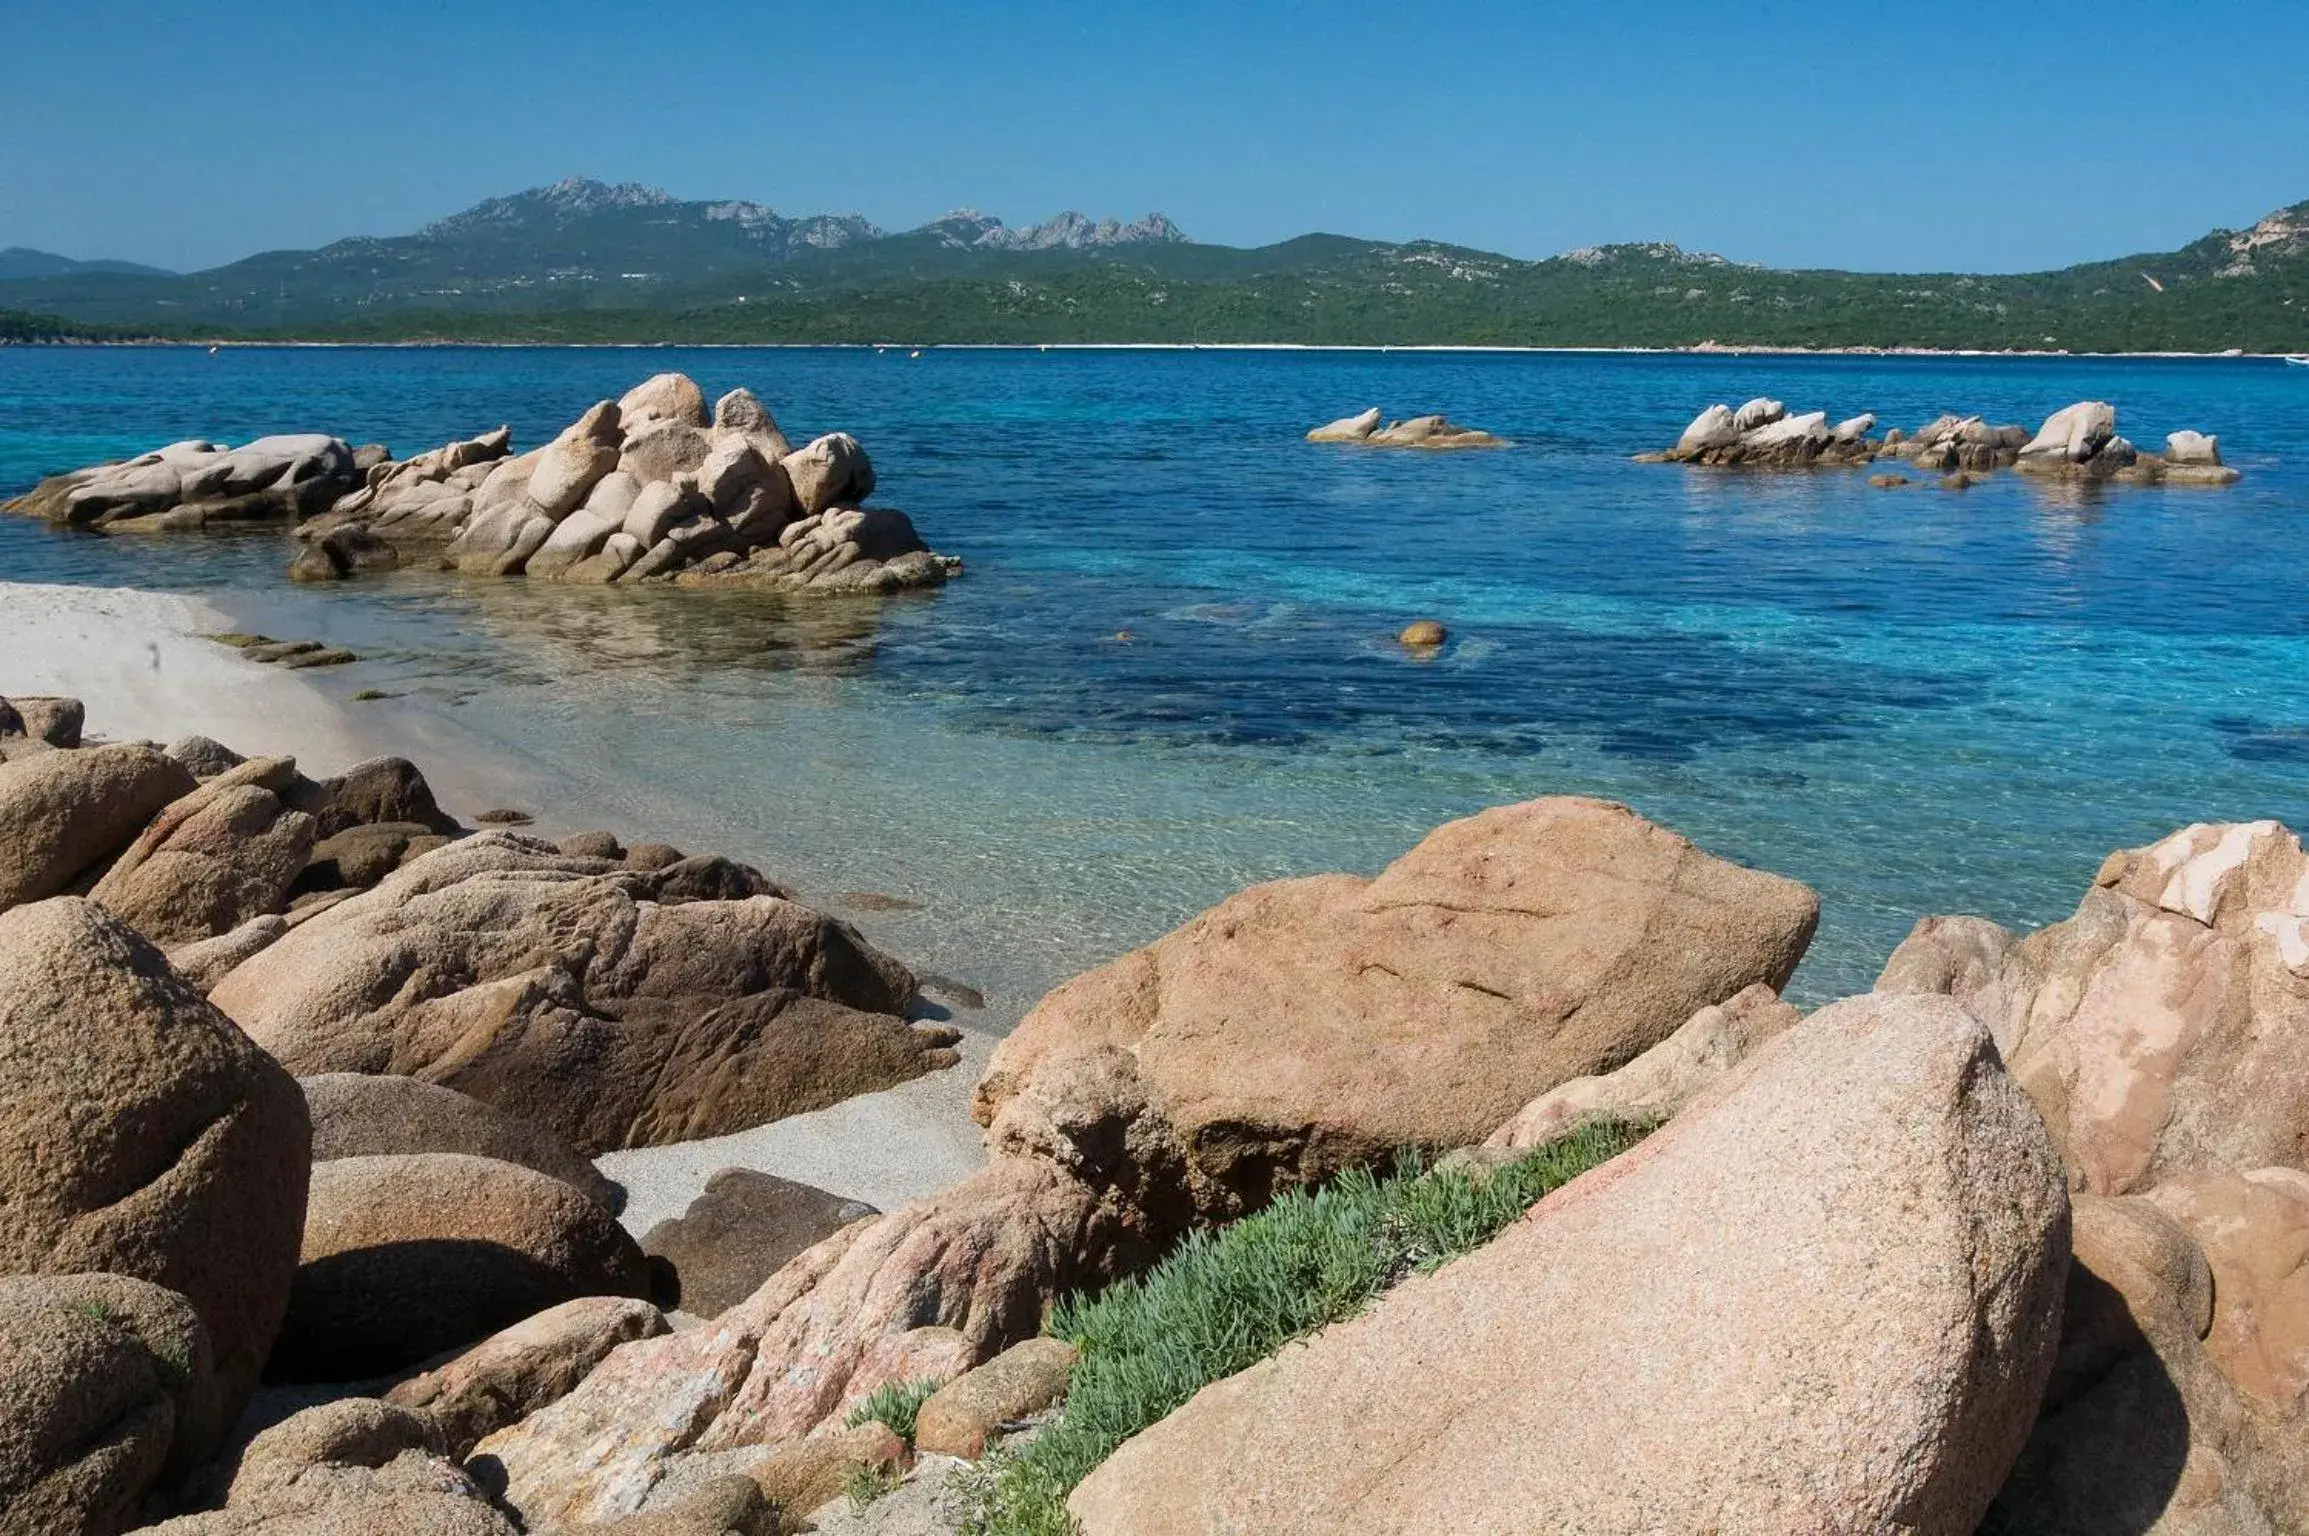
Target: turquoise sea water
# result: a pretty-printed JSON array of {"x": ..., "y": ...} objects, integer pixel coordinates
[{"x": 1915, "y": 701}]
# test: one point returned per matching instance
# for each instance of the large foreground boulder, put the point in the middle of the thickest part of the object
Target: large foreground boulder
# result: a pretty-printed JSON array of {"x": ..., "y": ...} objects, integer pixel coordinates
[
  {"x": 66, "y": 814},
  {"x": 110, "y": 1392},
  {"x": 2142, "y": 1429},
  {"x": 1296, "y": 1030},
  {"x": 142, "y": 1134},
  {"x": 1307, "y": 1026},
  {"x": 2165, "y": 1027},
  {"x": 407, "y": 1256},
  {"x": 586, "y": 997},
  {"x": 1826, "y": 1298}
]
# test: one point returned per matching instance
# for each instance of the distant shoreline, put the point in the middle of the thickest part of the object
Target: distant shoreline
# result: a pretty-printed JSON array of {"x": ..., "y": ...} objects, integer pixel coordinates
[{"x": 1702, "y": 349}]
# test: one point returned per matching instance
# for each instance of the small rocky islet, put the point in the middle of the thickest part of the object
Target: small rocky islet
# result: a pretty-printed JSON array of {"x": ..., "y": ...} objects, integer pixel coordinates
[
  {"x": 1371, "y": 429},
  {"x": 2078, "y": 442},
  {"x": 302, "y": 1078},
  {"x": 650, "y": 486}
]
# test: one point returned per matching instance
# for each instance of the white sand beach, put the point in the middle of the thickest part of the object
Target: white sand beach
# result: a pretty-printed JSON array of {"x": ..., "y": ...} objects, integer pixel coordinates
[
  {"x": 139, "y": 661},
  {"x": 141, "y": 664}
]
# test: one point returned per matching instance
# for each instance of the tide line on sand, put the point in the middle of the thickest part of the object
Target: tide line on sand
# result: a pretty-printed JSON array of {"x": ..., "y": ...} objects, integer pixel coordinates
[{"x": 142, "y": 664}]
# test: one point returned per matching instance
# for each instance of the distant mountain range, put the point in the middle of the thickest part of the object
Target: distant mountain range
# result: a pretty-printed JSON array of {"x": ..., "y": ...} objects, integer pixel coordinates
[
  {"x": 23, "y": 261},
  {"x": 587, "y": 261}
]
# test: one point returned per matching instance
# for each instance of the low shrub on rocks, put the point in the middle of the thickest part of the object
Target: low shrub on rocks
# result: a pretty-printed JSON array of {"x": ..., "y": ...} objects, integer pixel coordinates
[{"x": 1230, "y": 1297}]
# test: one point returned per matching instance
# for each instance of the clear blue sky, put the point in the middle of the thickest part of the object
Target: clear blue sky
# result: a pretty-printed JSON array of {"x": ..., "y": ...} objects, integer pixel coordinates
[{"x": 1957, "y": 135}]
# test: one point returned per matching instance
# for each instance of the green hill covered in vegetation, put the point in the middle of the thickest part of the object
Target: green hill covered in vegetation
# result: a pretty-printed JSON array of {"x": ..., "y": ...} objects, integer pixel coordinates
[{"x": 584, "y": 262}]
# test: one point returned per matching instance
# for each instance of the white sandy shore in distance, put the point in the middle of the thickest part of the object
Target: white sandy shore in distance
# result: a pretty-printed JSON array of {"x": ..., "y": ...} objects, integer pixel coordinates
[
  {"x": 1701, "y": 349},
  {"x": 139, "y": 662}
]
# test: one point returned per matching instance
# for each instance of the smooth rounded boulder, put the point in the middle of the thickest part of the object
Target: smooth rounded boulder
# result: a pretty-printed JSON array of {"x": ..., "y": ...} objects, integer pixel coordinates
[
  {"x": 588, "y": 998},
  {"x": 2141, "y": 1428},
  {"x": 67, "y": 812},
  {"x": 226, "y": 853},
  {"x": 1826, "y": 1298},
  {"x": 406, "y": 1256},
  {"x": 830, "y": 471},
  {"x": 965, "y": 1415},
  {"x": 1306, "y": 1026},
  {"x": 142, "y": 1134},
  {"x": 110, "y": 1394},
  {"x": 353, "y": 1467},
  {"x": 663, "y": 397},
  {"x": 359, "y": 1115}
]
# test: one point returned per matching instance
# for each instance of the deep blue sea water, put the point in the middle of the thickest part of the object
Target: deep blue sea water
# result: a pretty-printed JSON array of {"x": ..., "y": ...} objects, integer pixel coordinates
[{"x": 1169, "y": 670}]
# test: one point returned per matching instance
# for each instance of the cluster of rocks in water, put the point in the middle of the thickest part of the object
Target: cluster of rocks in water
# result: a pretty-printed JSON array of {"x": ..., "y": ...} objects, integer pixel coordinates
[
  {"x": 2077, "y": 442},
  {"x": 651, "y": 485},
  {"x": 1371, "y": 429},
  {"x": 312, "y": 1076}
]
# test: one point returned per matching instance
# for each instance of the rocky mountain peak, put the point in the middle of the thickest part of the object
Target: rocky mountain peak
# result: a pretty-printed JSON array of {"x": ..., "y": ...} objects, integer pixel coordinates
[
  {"x": 1644, "y": 250},
  {"x": 2282, "y": 236},
  {"x": 1069, "y": 231},
  {"x": 568, "y": 198}
]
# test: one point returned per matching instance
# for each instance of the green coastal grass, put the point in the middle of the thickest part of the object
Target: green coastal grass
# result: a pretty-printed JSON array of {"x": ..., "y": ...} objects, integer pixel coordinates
[
  {"x": 1229, "y": 1298},
  {"x": 898, "y": 1404}
]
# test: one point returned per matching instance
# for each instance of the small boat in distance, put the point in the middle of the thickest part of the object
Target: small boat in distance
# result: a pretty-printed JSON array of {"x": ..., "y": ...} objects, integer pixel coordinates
[{"x": 2298, "y": 362}]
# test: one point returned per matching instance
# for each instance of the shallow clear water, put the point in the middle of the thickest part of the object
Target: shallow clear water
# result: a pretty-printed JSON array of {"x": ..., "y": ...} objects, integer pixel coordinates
[{"x": 1169, "y": 670}]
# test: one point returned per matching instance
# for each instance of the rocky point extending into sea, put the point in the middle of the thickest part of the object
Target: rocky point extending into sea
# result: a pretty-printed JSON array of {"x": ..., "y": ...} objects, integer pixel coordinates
[
  {"x": 649, "y": 486},
  {"x": 301, "y": 1079}
]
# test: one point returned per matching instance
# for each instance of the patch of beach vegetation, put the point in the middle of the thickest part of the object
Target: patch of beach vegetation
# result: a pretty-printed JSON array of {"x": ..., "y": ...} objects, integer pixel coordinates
[{"x": 1230, "y": 1297}]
